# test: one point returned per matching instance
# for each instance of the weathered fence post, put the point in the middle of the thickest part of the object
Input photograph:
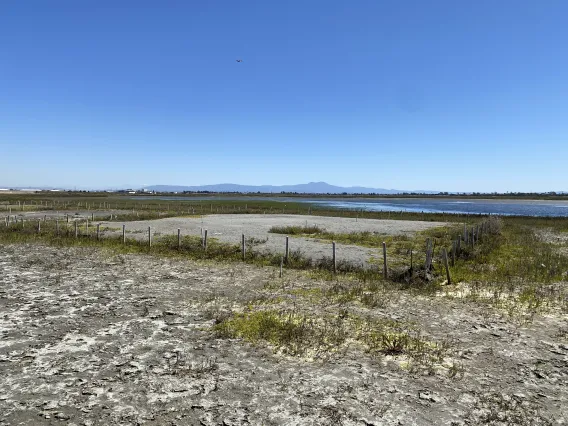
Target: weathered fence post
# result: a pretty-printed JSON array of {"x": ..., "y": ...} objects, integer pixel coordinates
[
  {"x": 98, "y": 231},
  {"x": 454, "y": 244},
  {"x": 287, "y": 252},
  {"x": 445, "y": 259},
  {"x": 38, "y": 226},
  {"x": 334, "y": 257},
  {"x": 179, "y": 238},
  {"x": 87, "y": 226},
  {"x": 385, "y": 269},
  {"x": 149, "y": 236},
  {"x": 205, "y": 240},
  {"x": 123, "y": 234},
  {"x": 428, "y": 255}
]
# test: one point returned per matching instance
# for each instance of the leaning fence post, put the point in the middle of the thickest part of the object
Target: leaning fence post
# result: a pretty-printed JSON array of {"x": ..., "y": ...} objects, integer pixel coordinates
[
  {"x": 287, "y": 250},
  {"x": 334, "y": 257},
  {"x": 445, "y": 258},
  {"x": 385, "y": 270},
  {"x": 243, "y": 247}
]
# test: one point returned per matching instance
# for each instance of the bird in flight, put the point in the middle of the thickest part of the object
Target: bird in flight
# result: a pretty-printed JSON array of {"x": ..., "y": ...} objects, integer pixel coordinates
[{"x": 239, "y": 60}]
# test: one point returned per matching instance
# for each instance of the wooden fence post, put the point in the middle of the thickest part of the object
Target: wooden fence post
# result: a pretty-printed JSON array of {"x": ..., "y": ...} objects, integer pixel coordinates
[
  {"x": 428, "y": 254},
  {"x": 205, "y": 240},
  {"x": 149, "y": 236},
  {"x": 87, "y": 226},
  {"x": 123, "y": 234},
  {"x": 454, "y": 244},
  {"x": 445, "y": 259},
  {"x": 98, "y": 231},
  {"x": 385, "y": 269},
  {"x": 287, "y": 252},
  {"x": 243, "y": 247},
  {"x": 179, "y": 238},
  {"x": 334, "y": 257},
  {"x": 38, "y": 226}
]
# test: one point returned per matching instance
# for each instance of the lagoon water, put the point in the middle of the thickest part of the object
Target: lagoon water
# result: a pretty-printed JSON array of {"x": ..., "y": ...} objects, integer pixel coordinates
[{"x": 430, "y": 205}]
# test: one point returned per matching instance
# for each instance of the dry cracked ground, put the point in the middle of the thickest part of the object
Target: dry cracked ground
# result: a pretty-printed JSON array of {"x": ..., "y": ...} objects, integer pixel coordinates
[{"x": 93, "y": 338}]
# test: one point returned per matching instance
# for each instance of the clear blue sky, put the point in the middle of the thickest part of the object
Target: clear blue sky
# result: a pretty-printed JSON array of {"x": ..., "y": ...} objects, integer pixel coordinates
[{"x": 443, "y": 95}]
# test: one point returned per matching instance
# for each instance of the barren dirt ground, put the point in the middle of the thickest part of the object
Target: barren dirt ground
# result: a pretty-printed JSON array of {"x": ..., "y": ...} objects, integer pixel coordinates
[
  {"x": 89, "y": 337},
  {"x": 229, "y": 228}
]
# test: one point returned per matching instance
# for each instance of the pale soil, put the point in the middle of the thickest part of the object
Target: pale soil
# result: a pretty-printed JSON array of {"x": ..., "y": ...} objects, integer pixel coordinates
[
  {"x": 229, "y": 228},
  {"x": 91, "y": 338}
]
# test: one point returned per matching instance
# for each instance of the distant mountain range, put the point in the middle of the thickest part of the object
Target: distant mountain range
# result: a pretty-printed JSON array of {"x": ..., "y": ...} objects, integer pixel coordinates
[{"x": 304, "y": 188}]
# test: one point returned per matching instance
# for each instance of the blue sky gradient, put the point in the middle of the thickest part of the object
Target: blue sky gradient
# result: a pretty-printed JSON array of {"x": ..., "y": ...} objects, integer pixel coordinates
[{"x": 441, "y": 95}]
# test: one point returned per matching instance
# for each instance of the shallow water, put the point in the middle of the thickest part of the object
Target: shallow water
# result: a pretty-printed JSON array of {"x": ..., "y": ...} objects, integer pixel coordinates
[{"x": 427, "y": 205}]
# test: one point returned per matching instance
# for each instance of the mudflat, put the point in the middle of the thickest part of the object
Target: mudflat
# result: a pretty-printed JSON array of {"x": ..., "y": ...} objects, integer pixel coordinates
[{"x": 91, "y": 337}]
